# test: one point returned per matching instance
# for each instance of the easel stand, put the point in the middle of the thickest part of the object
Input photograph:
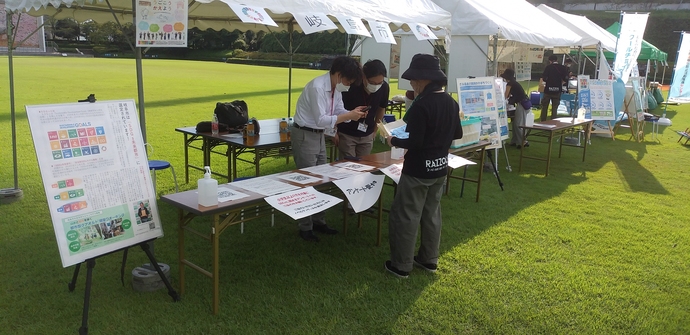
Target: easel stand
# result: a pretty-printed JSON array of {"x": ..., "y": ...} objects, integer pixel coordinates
[
  {"x": 493, "y": 166},
  {"x": 91, "y": 263}
]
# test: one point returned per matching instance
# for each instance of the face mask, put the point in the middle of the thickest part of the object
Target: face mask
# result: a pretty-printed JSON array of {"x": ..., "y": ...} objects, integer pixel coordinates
[
  {"x": 340, "y": 87},
  {"x": 373, "y": 88}
]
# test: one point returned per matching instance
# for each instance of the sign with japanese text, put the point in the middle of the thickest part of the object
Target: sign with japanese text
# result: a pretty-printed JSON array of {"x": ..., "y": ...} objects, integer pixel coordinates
[
  {"x": 361, "y": 191},
  {"x": 680, "y": 85},
  {"x": 477, "y": 97},
  {"x": 382, "y": 32},
  {"x": 596, "y": 96},
  {"x": 629, "y": 44},
  {"x": 302, "y": 202},
  {"x": 353, "y": 25},
  {"x": 96, "y": 177},
  {"x": 314, "y": 22},
  {"x": 161, "y": 23}
]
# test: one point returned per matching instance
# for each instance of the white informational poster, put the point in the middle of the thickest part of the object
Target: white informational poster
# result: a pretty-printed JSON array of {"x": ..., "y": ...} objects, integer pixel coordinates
[
  {"x": 680, "y": 85},
  {"x": 393, "y": 172},
  {"x": 330, "y": 171},
  {"x": 477, "y": 97},
  {"x": 501, "y": 108},
  {"x": 96, "y": 177},
  {"x": 601, "y": 99},
  {"x": 302, "y": 203},
  {"x": 523, "y": 71},
  {"x": 314, "y": 22},
  {"x": 629, "y": 44},
  {"x": 361, "y": 191},
  {"x": 161, "y": 23}
]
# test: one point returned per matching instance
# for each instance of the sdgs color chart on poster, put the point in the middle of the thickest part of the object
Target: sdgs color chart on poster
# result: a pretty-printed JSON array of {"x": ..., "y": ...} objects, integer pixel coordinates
[
  {"x": 161, "y": 23},
  {"x": 96, "y": 177}
]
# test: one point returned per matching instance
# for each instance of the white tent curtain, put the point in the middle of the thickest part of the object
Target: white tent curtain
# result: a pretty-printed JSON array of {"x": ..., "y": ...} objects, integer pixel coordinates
[{"x": 591, "y": 33}]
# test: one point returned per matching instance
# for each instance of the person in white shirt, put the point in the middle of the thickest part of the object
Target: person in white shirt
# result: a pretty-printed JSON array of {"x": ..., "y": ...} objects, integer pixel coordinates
[{"x": 319, "y": 109}]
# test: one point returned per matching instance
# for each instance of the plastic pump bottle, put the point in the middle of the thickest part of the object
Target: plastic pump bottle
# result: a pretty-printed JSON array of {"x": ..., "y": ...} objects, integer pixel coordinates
[{"x": 208, "y": 189}]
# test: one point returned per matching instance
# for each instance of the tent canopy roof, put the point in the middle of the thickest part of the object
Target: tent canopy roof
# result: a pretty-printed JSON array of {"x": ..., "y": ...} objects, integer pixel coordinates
[
  {"x": 514, "y": 20},
  {"x": 648, "y": 50},
  {"x": 214, "y": 14},
  {"x": 590, "y": 32}
]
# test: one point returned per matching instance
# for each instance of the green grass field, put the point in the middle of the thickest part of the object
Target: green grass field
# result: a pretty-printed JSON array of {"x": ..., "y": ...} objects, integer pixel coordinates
[{"x": 597, "y": 247}]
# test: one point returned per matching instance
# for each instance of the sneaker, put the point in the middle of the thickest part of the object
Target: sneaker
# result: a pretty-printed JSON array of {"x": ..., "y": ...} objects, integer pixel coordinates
[
  {"x": 394, "y": 271},
  {"x": 324, "y": 229},
  {"x": 431, "y": 267},
  {"x": 308, "y": 235}
]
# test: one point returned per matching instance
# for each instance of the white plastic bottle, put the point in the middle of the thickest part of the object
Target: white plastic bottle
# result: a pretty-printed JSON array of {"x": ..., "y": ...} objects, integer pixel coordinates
[
  {"x": 207, "y": 188},
  {"x": 214, "y": 125}
]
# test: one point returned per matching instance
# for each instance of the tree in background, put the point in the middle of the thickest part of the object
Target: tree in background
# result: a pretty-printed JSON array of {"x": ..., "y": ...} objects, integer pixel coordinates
[{"x": 67, "y": 29}]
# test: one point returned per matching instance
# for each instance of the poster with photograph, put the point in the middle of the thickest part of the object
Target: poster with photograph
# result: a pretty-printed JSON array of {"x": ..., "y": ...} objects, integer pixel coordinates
[
  {"x": 161, "y": 23},
  {"x": 601, "y": 103},
  {"x": 96, "y": 177},
  {"x": 477, "y": 97}
]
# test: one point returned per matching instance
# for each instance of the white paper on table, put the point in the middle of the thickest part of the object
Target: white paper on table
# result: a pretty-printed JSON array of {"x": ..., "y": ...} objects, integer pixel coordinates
[
  {"x": 302, "y": 203},
  {"x": 233, "y": 135},
  {"x": 393, "y": 171},
  {"x": 355, "y": 166},
  {"x": 299, "y": 178},
  {"x": 545, "y": 125},
  {"x": 264, "y": 186},
  {"x": 228, "y": 194},
  {"x": 330, "y": 171},
  {"x": 361, "y": 191},
  {"x": 455, "y": 162}
]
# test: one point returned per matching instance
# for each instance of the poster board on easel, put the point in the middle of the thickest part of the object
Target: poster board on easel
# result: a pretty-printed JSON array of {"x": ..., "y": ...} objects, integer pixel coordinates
[
  {"x": 477, "y": 97},
  {"x": 596, "y": 96},
  {"x": 96, "y": 177}
]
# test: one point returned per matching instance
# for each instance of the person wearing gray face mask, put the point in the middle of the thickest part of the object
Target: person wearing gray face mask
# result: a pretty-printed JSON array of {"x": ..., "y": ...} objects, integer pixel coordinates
[{"x": 356, "y": 139}]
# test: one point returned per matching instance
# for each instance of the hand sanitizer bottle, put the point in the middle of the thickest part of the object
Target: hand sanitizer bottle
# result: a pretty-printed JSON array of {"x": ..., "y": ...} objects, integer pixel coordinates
[{"x": 207, "y": 189}]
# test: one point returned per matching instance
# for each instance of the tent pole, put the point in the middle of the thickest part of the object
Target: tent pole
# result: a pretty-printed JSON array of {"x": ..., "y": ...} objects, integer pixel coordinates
[
  {"x": 290, "y": 52},
  {"x": 10, "y": 46},
  {"x": 495, "y": 65},
  {"x": 11, "y": 195},
  {"x": 140, "y": 79}
]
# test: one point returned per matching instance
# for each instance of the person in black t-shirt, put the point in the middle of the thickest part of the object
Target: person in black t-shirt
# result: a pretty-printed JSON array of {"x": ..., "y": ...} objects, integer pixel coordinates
[
  {"x": 553, "y": 78},
  {"x": 433, "y": 122},
  {"x": 355, "y": 139},
  {"x": 514, "y": 95}
]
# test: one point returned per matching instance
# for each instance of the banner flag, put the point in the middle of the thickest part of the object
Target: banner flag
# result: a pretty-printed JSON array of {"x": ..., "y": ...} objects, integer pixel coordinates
[
  {"x": 680, "y": 85},
  {"x": 629, "y": 44}
]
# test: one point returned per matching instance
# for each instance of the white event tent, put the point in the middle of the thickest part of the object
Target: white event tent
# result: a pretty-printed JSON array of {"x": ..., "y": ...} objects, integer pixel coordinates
[
  {"x": 477, "y": 22},
  {"x": 216, "y": 14}
]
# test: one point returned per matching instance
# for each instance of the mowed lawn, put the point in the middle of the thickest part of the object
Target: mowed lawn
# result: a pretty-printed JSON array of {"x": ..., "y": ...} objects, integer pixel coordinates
[{"x": 597, "y": 247}]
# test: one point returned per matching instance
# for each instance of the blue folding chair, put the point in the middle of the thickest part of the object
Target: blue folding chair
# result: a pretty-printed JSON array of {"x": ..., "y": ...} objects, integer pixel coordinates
[{"x": 157, "y": 165}]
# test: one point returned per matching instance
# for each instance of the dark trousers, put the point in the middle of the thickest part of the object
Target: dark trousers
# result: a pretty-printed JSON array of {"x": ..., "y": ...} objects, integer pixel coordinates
[{"x": 555, "y": 100}]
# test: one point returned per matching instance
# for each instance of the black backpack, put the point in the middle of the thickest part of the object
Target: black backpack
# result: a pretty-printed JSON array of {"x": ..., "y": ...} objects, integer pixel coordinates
[{"x": 234, "y": 114}]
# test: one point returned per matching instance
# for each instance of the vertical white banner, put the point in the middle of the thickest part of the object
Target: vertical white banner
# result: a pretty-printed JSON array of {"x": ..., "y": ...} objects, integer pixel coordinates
[
  {"x": 629, "y": 44},
  {"x": 161, "y": 23},
  {"x": 680, "y": 85}
]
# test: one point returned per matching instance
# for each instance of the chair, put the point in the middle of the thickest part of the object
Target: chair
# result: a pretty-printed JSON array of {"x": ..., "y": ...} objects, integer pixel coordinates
[{"x": 157, "y": 165}]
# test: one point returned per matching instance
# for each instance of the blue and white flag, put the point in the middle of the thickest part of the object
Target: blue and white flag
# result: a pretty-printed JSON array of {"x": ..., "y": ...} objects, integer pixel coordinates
[
  {"x": 680, "y": 85},
  {"x": 629, "y": 44}
]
